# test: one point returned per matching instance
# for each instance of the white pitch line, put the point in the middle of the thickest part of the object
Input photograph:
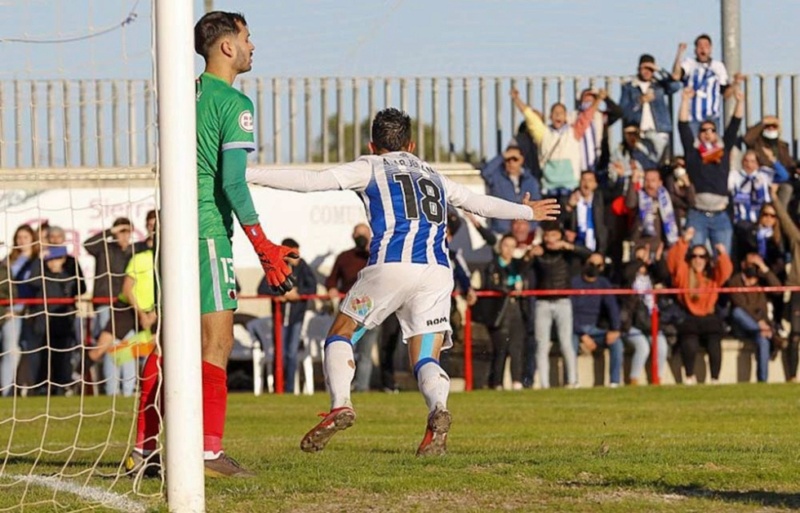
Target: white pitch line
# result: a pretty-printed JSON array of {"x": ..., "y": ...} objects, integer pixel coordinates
[{"x": 90, "y": 493}]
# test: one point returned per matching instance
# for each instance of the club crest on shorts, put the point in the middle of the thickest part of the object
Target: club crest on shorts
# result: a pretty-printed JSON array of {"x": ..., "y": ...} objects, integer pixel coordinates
[
  {"x": 361, "y": 305},
  {"x": 232, "y": 294}
]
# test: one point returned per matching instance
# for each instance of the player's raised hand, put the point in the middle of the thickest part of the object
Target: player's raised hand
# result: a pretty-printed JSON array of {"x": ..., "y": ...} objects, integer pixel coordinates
[{"x": 543, "y": 210}]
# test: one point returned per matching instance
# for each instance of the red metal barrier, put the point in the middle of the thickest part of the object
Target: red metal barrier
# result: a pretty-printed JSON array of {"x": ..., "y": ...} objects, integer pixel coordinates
[
  {"x": 468, "y": 349},
  {"x": 654, "y": 320},
  {"x": 277, "y": 326}
]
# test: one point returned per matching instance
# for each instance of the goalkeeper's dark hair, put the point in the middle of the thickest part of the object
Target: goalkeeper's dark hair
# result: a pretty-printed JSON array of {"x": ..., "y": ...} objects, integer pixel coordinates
[
  {"x": 391, "y": 130},
  {"x": 213, "y": 26}
]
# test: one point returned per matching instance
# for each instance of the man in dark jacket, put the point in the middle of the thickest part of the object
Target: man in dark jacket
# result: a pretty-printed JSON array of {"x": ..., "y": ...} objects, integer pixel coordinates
[
  {"x": 293, "y": 310},
  {"x": 554, "y": 264},
  {"x": 586, "y": 220},
  {"x": 708, "y": 165},
  {"x": 507, "y": 178}
]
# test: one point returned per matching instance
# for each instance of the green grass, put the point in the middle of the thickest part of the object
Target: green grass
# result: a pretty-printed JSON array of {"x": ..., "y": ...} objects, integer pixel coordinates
[{"x": 727, "y": 448}]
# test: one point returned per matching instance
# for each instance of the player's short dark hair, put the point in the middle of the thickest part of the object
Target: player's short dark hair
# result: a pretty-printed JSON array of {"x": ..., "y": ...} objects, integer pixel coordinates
[
  {"x": 702, "y": 36},
  {"x": 550, "y": 226},
  {"x": 213, "y": 26},
  {"x": 391, "y": 130}
]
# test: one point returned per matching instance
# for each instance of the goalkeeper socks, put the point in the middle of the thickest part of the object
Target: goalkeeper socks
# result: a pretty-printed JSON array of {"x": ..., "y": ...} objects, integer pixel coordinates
[
  {"x": 433, "y": 381},
  {"x": 340, "y": 367},
  {"x": 149, "y": 420},
  {"x": 215, "y": 401}
]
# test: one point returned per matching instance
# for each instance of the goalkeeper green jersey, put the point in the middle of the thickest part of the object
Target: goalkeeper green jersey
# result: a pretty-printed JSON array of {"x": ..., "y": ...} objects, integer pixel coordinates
[{"x": 224, "y": 122}]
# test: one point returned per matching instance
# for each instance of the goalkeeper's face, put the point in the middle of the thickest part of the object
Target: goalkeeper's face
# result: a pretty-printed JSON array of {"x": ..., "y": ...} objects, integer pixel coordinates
[{"x": 243, "y": 60}]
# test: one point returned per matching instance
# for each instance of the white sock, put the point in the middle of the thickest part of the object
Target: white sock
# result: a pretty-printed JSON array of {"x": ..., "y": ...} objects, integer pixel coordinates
[
  {"x": 434, "y": 383},
  {"x": 211, "y": 455},
  {"x": 340, "y": 367}
]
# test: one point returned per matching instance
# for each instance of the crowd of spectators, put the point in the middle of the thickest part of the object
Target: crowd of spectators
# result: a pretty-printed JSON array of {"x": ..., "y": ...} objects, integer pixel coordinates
[{"x": 643, "y": 215}]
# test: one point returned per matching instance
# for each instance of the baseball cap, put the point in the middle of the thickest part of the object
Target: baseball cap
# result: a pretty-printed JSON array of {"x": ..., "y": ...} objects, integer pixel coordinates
[{"x": 55, "y": 252}]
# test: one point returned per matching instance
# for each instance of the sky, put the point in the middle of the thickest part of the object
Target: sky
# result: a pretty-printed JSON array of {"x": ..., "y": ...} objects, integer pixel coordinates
[{"x": 404, "y": 38}]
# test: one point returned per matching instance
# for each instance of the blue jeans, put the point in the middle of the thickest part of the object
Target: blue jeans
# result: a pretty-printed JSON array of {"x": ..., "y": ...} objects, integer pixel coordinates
[
  {"x": 641, "y": 351},
  {"x": 717, "y": 228},
  {"x": 745, "y": 322},
  {"x": 291, "y": 345},
  {"x": 615, "y": 350}
]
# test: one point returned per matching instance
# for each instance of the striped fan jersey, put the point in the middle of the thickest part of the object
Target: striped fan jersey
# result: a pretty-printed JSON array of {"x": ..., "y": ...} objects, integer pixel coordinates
[
  {"x": 707, "y": 79},
  {"x": 406, "y": 203}
]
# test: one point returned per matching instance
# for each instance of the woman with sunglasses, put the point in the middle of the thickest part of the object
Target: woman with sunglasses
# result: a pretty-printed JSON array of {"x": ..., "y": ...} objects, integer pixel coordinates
[
  {"x": 691, "y": 268},
  {"x": 791, "y": 233},
  {"x": 766, "y": 237},
  {"x": 708, "y": 164}
]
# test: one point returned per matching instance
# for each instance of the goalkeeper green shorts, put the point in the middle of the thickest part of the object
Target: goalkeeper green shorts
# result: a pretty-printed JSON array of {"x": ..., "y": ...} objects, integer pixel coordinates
[{"x": 217, "y": 278}]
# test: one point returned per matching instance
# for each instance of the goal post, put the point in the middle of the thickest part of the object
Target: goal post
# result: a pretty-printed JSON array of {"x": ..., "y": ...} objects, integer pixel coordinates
[{"x": 174, "y": 20}]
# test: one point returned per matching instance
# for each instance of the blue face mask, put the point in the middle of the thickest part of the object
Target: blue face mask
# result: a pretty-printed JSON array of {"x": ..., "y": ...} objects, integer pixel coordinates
[{"x": 586, "y": 105}]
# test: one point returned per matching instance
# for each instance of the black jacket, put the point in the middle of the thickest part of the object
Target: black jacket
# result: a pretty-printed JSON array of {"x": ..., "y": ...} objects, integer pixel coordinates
[
  {"x": 601, "y": 220},
  {"x": 303, "y": 278}
]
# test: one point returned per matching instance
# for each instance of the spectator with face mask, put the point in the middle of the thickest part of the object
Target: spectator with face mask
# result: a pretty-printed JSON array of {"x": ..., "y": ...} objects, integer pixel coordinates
[
  {"x": 750, "y": 315},
  {"x": 343, "y": 276},
  {"x": 588, "y": 313},
  {"x": 773, "y": 154}
]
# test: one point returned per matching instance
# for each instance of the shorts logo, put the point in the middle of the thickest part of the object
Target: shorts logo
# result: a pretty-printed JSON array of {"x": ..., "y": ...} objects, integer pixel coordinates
[
  {"x": 246, "y": 121},
  {"x": 232, "y": 294},
  {"x": 361, "y": 305},
  {"x": 436, "y": 322}
]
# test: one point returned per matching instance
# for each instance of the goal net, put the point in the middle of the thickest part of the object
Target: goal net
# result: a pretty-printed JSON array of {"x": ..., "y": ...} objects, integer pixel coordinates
[{"x": 77, "y": 158}]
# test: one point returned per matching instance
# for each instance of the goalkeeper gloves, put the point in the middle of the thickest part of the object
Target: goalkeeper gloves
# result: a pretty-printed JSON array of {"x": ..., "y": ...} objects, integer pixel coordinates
[{"x": 272, "y": 258}]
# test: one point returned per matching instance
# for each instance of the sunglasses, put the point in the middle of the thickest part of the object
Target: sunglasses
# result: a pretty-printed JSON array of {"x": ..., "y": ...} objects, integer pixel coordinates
[
  {"x": 512, "y": 159},
  {"x": 699, "y": 255},
  {"x": 708, "y": 129},
  {"x": 768, "y": 214}
]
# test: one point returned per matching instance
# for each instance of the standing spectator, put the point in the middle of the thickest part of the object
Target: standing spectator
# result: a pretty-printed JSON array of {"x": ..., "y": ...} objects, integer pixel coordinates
[
  {"x": 632, "y": 154},
  {"x": 57, "y": 237},
  {"x": 791, "y": 233},
  {"x": 586, "y": 218},
  {"x": 343, "y": 275},
  {"x": 53, "y": 324},
  {"x": 530, "y": 151},
  {"x": 554, "y": 264},
  {"x": 150, "y": 225},
  {"x": 111, "y": 249},
  {"x": 509, "y": 179},
  {"x": 708, "y": 166},
  {"x": 707, "y": 78},
  {"x": 750, "y": 313},
  {"x": 293, "y": 310},
  {"x": 645, "y": 272},
  {"x": 594, "y": 143},
  {"x": 23, "y": 254},
  {"x": 749, "y": 189},
  {"x": 654, "y": 218},
  {"x": 506, "y": 323},
  {"x": 588, "y": 312},
  {"x": 772, "y": 153},
  {"x": 691, "y": 268},
  {"x": 559, "y": 143},
  {"x": 644, "y": 104},
  {"x": 681, "y": 190}
]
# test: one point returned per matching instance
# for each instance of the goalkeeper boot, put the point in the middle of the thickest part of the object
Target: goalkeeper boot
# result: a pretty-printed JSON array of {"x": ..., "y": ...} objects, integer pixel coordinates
[
  {"x": 337, "y": 420},
  {"x": 225, "y": 466},
  {"x": 137, "y": 463},
  {"x": 435, "y": 441}
]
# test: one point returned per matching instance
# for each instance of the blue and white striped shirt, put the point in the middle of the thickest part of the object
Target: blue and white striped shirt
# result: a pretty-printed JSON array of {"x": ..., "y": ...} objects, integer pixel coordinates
[{"x": 707, "y": 79}]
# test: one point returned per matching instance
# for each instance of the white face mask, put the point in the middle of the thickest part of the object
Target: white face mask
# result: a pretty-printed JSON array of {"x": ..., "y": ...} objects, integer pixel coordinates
[
  {"x": 586, "y": 105},
  {"x": 772, "y": 133}
]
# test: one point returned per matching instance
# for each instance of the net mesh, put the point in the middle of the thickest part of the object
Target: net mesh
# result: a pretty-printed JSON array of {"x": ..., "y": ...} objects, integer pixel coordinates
[{"x": 77, "y": 152}]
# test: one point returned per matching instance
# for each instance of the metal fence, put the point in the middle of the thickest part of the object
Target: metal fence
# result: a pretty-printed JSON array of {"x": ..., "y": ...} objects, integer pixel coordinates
[{"x": 60, "y": 124}]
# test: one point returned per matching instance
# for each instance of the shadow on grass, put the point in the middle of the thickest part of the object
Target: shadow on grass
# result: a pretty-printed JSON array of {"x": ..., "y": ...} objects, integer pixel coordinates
[
  {"x": 55, "y": 465},
  {"x": 788, "y": 500}
]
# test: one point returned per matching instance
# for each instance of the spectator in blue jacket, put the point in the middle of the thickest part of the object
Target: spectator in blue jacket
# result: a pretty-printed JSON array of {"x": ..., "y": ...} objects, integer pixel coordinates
[
  {"x": 507, "y": 177},
  {"x": 589, "y": 312},
  {"x": 643, "y": 102},
  {"x": 293, "y": 309}
]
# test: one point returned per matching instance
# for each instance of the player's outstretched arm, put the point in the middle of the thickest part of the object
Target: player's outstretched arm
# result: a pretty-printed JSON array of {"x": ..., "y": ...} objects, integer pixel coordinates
[
  {"x": 272, "y": 256},
  {"x": 350, "y": 176},
  {"x": 543, "y": 210},
  {"x": 489, "y": 206}
]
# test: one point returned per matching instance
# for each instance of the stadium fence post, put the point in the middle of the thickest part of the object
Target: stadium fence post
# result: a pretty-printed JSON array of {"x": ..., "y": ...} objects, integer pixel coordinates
[
  {"x": 468, "y": 349},
  {"x": 277, "y": 327},
  {"x": 174, "y": 36},
  {"x": 654, "y": 318}
]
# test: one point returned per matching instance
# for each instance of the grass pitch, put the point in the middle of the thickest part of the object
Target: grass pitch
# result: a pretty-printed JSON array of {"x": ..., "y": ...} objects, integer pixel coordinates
[{"x": 726, "y": 448}]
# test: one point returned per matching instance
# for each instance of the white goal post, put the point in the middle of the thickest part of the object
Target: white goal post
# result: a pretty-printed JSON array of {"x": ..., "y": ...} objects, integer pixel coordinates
[{"x": 180, "y": 332}]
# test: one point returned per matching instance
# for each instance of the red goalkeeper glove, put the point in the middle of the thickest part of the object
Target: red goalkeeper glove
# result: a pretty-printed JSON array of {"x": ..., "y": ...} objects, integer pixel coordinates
[{"x": 273, "y": 258}]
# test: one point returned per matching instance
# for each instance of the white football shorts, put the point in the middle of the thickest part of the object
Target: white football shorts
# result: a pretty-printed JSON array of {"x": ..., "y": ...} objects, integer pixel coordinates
[{"x": 418, "y": 293}]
